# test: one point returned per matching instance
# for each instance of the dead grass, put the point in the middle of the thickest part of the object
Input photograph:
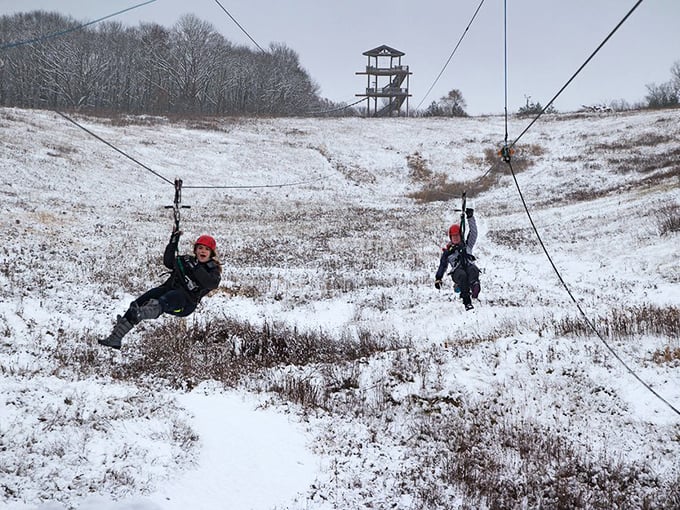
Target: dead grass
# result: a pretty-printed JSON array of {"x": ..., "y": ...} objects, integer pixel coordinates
[
  {"x": 436, "y": 186},
  {"x": 650, "y": 139},
  {"x": 228, "y": 349},
  {"x": 627, "y": 322},
  {"x": 667, "y": 355},
  {"x": 530, "y": 466},
  {"x": 668, "y": 160},
  {"x": 516, "y": 238},
  {"x": 419, "y": 168},
  {"x": 669, "y": 221}
]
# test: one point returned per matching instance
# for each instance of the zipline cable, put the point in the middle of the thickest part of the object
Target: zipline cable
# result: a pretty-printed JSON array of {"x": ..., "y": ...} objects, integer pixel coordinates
[
  {"x": 338, "y": 108},
  {"x": 637, "y": 4},
  {"x": 450, "y": 56},
  {"x": 575, "y": 301},
  {"x": 239, "y": 25},
  {"x": 63, "y": 32},
  {"x": 507, "y": 149},
  {"x": 113, "y": 147},
  {"x": 507, "y": 158},
  {"x": 321, "y": 112},
  {"x": 145, "y": 167},
  {"x": 505, "y": 67}
]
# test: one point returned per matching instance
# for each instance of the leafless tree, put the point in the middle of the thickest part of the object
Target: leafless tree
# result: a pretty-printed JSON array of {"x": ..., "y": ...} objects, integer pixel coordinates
[{"x": 189, "y": 68}]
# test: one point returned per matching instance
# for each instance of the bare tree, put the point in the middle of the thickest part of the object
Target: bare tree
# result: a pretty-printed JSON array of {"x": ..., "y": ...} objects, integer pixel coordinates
[
  {"x": 188, "y": 69},
  {"x": 662, "y": 96},
  {"x": 675, "y": 73},
  {"x": 453, "y": 104}
]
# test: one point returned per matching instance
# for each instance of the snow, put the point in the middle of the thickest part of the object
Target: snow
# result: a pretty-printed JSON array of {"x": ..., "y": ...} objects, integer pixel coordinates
[
  {"x": 83, "y": 229},
  {"x": 268, "y": 453}
]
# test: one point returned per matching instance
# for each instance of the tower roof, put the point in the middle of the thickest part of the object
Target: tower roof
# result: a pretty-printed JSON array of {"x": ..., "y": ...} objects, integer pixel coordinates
[{"x": 384, "y": 51}]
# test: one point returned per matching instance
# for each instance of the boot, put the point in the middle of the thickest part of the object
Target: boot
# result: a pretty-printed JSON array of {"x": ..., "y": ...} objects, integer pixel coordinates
[
  {"x": 150, "y": 310},
  {"x": 467, "y": 301},
  {"x": 122, "y": 327}
]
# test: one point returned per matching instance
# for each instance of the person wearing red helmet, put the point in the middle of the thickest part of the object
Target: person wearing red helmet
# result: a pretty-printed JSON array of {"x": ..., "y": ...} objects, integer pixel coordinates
[
  {"x": 458, "y": 255},
  {"x": 192, "y": 278}
]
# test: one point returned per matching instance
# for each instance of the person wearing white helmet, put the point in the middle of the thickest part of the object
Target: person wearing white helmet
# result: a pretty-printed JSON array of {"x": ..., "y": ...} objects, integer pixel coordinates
[
  {"x": 458, "y": 255},
  {"x": 192, "y": 278}
]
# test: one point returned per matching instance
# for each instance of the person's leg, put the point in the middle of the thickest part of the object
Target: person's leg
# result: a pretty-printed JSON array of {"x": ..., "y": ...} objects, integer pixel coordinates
[
  {"x": 473, "y": 280},
  {"x": 150, "y": 297},
  {"x": 120, "y": 329},
  {"x": 131, "y": 317},
  {"x": 460, "y": 278},
  {"x": 175, "y": 302}
]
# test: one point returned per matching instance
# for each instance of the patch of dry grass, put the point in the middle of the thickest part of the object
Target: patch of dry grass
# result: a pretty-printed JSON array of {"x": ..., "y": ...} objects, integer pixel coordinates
[{"x": 436, "y": 186}]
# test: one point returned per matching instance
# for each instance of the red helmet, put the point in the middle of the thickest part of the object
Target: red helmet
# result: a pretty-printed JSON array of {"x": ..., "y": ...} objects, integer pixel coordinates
[
  {"x": 206, "y": 241},
  {"x": 454, "y": 230}
]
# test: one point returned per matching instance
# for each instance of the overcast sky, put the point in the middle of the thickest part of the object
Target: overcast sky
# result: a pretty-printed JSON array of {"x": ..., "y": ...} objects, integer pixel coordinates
[{"x": 547, "y": 41}]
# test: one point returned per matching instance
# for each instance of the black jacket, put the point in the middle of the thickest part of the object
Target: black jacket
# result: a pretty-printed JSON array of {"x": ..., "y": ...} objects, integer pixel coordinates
[{"x": 195, "y": 278}]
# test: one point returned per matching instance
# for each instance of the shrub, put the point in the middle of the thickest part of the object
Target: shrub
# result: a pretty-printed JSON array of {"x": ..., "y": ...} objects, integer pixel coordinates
[
  {"x": 669, "y": 219},
  {"x": 627, "y": 322},
  {"x": 227, "y": 349}
]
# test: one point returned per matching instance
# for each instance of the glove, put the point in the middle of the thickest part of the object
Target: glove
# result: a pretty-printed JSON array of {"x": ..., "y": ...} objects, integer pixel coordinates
[
  {"x": 468, "y": 212},
  {"x": 174, "y": 237},
  {"x": 438, "y": 284},
  {"x": 188, "y": 262}
]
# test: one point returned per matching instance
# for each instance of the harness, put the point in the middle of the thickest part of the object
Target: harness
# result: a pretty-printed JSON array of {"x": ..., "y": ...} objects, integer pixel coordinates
[
  {"x": 464, "y": 258},
  {"x": 177, "y": 206}
]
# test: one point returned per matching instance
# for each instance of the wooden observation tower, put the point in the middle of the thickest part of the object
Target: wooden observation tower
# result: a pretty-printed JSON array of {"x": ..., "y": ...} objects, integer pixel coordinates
[{"x": 385, "y": 81}]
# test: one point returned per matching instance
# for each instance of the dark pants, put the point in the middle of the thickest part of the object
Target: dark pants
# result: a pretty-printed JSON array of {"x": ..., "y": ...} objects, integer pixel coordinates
[
  {"x": 464, "y": 277},
  {"x": 172, "y": 301}
]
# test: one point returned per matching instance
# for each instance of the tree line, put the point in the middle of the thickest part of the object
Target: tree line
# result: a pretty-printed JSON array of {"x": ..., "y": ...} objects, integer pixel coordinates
[{"x": 187, "y": 69}]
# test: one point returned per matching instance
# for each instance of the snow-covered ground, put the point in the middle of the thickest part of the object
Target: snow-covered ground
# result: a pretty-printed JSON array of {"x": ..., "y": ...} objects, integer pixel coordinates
[{"x": 343, "y": 248}]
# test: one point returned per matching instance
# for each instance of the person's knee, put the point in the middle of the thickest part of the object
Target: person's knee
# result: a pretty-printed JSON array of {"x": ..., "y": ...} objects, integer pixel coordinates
[{"x": 174, "y": 303}]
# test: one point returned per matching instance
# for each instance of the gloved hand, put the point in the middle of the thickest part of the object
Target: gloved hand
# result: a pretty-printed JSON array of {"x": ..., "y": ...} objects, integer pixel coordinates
[
  {"x": 468, "y": 212},
  {"x": 438, "y": 284},
  {"x": 174, "y": 237},
  {"x": 188, "y": 262}
]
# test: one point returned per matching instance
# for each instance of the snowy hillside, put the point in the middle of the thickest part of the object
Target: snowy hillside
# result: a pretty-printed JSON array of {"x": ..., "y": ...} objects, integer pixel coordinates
[{"x": 395, "y": 397}]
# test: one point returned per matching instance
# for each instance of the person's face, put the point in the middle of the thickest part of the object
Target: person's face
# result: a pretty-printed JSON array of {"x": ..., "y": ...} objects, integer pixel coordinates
[
  {"x": 455, "y": 238},
  {"x": 202, "y": 253}
]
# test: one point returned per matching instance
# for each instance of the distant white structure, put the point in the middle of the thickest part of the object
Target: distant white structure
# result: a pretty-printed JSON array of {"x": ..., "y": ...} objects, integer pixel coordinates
[{"x": 597, "y": 108}]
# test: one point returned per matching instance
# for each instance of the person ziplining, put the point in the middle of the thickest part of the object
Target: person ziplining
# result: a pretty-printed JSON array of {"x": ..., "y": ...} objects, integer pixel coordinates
[
  {"x": 192, "y": 277},
  {"x": 458, "y": 254}
]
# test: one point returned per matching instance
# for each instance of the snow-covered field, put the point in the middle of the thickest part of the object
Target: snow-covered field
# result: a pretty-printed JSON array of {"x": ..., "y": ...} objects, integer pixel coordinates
[{"x": 342, "y": 249}]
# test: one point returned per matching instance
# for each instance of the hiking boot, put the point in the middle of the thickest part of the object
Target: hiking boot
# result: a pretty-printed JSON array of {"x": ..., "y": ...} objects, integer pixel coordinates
[
  {"x": 467, "y": 301},
  {"x": 122, "y": 327},
  {"x": 474, "y": 290}
]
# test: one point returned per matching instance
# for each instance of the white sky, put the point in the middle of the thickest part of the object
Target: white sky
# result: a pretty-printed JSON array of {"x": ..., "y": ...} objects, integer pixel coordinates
[{"x": 547, "y": 42}]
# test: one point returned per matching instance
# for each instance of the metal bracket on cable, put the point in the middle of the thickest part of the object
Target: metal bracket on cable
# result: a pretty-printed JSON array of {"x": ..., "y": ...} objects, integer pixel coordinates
[
  {"x": 178, "y": 203},
  {"x": 506, "y": 153}
]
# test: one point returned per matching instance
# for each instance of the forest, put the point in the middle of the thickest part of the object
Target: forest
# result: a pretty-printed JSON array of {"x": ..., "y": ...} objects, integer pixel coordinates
[{"x": 189, "y": 69}]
